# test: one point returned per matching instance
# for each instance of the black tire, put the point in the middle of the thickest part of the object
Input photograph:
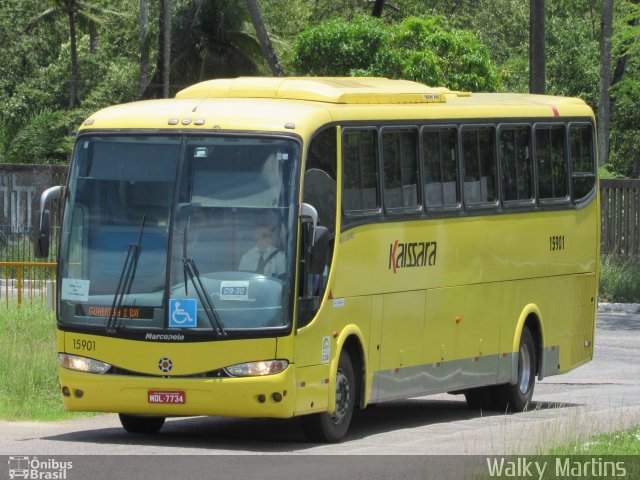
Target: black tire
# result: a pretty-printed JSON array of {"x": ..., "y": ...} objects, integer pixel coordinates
[
  {"x": 478, "y": 398},
  {"x": 139, "y": 424},
  {"x": 516, "y": 398},
  {"x": 331, "y": 428}
]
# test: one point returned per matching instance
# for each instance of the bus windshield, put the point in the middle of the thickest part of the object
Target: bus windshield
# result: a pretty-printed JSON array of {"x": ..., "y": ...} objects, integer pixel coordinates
[{"x": 190, "y": 235}]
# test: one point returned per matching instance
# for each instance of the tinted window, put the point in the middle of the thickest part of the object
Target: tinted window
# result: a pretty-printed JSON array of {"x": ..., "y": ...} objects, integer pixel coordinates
[
  {"x": 439, "y": 160},
  {"x": 478, "y": 157},
  {"x": 320, "y": 177},
  {"x": 399, "y": 159},
  {"x": 583, "y": 176},
  {"x": 515, "y": 160},
  {"x": 551, "y": 163},
  {"x": 360, "y": 173}
]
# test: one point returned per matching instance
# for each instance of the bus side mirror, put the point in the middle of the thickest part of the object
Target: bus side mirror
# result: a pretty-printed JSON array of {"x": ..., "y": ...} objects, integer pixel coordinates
[
  {"x": 318, "y": 251},
  {"x": 42, "y": 233}
]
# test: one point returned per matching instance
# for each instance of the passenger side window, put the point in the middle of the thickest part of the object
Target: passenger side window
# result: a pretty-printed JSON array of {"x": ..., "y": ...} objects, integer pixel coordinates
[
  {"x": 583, "y": 177},
  {"x": 515, "y": 161},
  {"x": 320, "y": 178},
  {"x": 439, "y": 161},
  {"x": 319, "y": 190},
  {"x": 551, "y": 162},
  {"x": 400, "y": 165},
  {"x": 360, "y": 171},
  {"x": 478, "y": 160}
]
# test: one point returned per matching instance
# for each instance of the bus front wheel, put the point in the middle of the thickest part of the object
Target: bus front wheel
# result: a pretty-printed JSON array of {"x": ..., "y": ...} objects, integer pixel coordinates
[
  {"x": 138, "y": 424},
  {"x": 332, "y": 427}
]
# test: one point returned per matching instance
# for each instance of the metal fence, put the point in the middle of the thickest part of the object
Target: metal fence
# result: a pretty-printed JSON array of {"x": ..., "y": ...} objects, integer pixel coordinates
[
  {"x": 22, "y": 276},
  {"x": 620, "y": 217},
  {"x": 16, "y": 244},
  {"x": 28, "y": 281}
]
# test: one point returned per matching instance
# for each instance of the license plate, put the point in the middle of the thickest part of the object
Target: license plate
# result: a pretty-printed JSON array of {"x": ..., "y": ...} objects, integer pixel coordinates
[{"x": 177, "y": 397}]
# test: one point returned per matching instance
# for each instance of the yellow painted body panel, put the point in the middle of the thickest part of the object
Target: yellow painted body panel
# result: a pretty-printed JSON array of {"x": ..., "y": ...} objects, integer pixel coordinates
[
  {"x": 490, "y": 273},
  {"x": 445, "y": 306},
  {"x": 402, "y": 329},
  {"x": 188, "y": 358}
]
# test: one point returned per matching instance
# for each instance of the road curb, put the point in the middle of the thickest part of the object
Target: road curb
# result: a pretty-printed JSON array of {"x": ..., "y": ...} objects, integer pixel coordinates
[{"x": 605, "y": 307}]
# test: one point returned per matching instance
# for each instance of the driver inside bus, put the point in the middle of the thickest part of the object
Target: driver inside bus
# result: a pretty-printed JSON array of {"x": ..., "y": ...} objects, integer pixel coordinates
[{"x": 264, "y": 258}]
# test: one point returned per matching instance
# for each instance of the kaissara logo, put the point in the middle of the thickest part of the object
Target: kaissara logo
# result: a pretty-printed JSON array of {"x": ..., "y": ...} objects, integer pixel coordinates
[{"x": 412, "y": 254}]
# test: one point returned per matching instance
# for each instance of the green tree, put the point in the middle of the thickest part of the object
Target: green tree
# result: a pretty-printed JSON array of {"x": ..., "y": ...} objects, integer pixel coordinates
[
  {"x": 424, "y": 49},
  {"x": 625, "y": 91},
  {"x": 74, "y": 11},
  {"x": 339, "y": 47}
]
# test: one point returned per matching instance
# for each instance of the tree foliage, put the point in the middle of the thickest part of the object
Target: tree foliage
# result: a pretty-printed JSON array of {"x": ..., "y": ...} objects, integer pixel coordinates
[
  {"x": 338, "y": 47},
  {"x": 212, "y": 38},
  {"x": 625, "y": 115},
  {"x": 479, "y": 45},
  {"x": 424, "y": 49}
]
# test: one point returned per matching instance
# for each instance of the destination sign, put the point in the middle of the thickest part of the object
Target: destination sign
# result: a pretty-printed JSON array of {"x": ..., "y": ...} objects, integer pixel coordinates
[{"x": 144, "y": 313}]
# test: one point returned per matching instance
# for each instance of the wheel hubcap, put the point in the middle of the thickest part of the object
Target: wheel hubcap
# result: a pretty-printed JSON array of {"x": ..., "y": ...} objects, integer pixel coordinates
[
  {"x": 343, "y": 397},
  {"x": 524, "y": 369}
]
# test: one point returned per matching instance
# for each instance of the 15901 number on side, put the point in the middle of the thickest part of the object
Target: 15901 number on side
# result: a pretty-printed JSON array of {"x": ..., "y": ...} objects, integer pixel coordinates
[{"x": 556, "y": 243}]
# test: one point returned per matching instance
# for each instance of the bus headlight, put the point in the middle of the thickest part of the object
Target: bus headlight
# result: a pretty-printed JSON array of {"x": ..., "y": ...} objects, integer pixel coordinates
[
  {"x": 82, "y": 364},
  {"x": 257, "y": 369}
]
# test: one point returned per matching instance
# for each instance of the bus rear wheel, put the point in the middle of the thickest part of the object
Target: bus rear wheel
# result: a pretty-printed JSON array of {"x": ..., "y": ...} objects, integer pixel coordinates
[
  {"x": 479, "y": 398},
  {"x": 517, "y": 397},
  {"x": 140, "y": 424},
  {"x": 329, "y": 428}
]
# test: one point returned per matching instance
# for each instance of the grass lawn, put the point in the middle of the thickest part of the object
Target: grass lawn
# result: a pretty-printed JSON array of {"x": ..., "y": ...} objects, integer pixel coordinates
[
  {"x": 28, "y": 379},
  {"x": 619, "y": 443}
]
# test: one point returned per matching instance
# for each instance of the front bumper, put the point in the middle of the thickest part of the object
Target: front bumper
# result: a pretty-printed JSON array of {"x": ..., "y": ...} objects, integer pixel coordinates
[{"x": 267, "y": 396}]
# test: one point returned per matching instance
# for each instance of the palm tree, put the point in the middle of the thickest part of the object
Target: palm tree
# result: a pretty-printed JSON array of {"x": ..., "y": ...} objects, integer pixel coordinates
[
  {"x": 75, "y": 11},
  {"x": 210, "y": 39},
  {"x": 263, "y": 38},
  {"x": 164, "y": 46},
  {"x": 144, "y": 46},
  {"x": 604, "y": 108},
  {"x": 536, "y": 47},
  {"x": 378, "y": 6}
]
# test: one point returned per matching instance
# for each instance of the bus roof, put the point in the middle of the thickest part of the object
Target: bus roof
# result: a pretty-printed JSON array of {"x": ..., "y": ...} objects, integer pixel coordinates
[
  {"x": 302, "y": 104},
  {"x": 351, "y": 90}
]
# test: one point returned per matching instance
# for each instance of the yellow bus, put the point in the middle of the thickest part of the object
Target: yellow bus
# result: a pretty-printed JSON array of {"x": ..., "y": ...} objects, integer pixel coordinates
[{"x": 283, "y": 247}]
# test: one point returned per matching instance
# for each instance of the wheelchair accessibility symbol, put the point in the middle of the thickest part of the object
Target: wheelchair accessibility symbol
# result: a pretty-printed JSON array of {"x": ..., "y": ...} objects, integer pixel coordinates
[{"x": 183, "y": 313}]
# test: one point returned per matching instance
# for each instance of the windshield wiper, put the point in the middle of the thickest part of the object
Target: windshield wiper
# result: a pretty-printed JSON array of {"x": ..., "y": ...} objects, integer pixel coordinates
[
  {"x": 126, "y": 280},
  {"x": 191, "y": 271}
]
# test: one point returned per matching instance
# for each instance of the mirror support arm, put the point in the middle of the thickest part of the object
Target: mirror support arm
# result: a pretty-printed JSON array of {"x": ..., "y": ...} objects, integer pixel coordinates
[{"x": 309, "y": 211}]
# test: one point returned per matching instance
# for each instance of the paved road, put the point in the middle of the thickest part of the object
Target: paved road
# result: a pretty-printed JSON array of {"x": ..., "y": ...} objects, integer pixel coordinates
[{"x": 603, "y": 395}]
